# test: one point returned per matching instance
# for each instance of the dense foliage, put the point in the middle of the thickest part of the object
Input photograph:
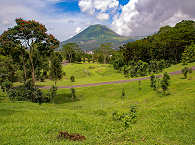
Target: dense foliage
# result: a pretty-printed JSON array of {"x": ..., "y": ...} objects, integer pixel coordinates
[
  {"x": 28, "y": 42},
  {"x": 152, "y": 54},
  {"x": 26, "y": 55},
  {"x": 72, "y": 52},
  {"x": 126, "y": 119}
]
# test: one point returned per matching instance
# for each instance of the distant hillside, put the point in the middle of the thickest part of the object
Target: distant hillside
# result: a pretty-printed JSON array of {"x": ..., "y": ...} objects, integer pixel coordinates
[{"x": 93, "y": 36}]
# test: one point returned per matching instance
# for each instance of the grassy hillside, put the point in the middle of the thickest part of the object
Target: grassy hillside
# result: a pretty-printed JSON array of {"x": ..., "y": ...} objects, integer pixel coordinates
[
  {"x": 87, "y": 73},
  {"x": 160, "y": 119},
  {"x": 94, "y": 35},
  {"x": 95, "y": 73}
]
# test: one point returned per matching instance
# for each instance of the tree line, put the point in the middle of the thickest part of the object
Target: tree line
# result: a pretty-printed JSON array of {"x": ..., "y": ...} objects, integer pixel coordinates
[
  {"x": 26, "y": 55},
  {"x": 73, "y": 53},
  {"x": 170, "y": 45}
]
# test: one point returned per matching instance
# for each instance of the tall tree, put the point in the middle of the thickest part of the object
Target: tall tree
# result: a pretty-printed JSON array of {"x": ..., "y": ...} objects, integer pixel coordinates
[
  {"x": 189, "y": 54},
  {"x": 69, "y": 50},
  {"x": 29, "y": 36},
  {"x": 56, "y": 71},
  {"x": 105, "y": 49}
]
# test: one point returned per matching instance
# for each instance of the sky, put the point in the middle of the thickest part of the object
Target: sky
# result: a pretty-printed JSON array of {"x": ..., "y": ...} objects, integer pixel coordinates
[{"x": 66, "y": 18}]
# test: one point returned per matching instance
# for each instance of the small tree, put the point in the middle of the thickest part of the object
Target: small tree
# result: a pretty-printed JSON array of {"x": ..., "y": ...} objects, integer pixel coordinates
[
  {"x": 139, "y": 84},
  {"x": 52, "y": 93},
  {"x": 165, "y": 82},
  {"x": 188, "y": 54},
  {"x": 73, "y": 93},
  {"x": 105, "y": 50},
  {"x": 190, "y": 72},
  {"x": 185, "y": 71},
  {"x": 153, "y": 82},
  {"x": 123, "y": 94},
  {"x": 70, "y": 50},
  {"x": 56, "y": 72},
  {"x": 72, "y": 78}
]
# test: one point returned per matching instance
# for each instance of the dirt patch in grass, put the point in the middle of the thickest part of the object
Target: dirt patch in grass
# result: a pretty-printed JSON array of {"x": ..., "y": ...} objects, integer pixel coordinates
[{"x": 72, "y": 137}]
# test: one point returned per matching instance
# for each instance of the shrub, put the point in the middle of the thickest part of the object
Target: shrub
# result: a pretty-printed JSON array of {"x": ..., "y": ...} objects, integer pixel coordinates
[
  {"x": 6, "y": 85},
  {"x": 153, "y": 82},
  {"x": 126, "y": 118},
  {"x": 157, "y": 66},
  {"x": 142, "y": 68},
  {"x": 136, "y": 69},
  {"x": 185, "y": 71},
  {"x": 165, "y": 82},
  {"x": 130, "y": 71},
  {"x": 72, "y": 79},
  {"x": 188, "y": 54},
  {"x": 27, "y": 92}
]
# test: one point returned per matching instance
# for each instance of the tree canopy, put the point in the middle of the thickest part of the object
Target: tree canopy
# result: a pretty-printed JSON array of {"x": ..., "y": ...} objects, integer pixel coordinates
[{"x": 28, "y": 38}]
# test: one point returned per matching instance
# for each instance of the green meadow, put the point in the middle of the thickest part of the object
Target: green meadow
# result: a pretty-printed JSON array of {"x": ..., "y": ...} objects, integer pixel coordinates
[
  {"x": 161, "y": 120},
  {"x": 95, "y": 73}
]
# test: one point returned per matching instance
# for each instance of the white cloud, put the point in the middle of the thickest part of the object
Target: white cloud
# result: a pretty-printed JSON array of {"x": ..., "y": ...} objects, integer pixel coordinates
[
  {"x": 141, "y": 17},
  {"x": 102, "y": 9},
  {"x": 61, "y": 25},
  {"x": 78, "y": 30},
  {"x": 103, "y": 16},
  {"x": 87, "y": 6}
]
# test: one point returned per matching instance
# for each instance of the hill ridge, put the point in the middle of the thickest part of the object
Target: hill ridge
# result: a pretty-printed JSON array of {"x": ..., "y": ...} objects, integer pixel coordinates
[{"x": 94, "y": 35}]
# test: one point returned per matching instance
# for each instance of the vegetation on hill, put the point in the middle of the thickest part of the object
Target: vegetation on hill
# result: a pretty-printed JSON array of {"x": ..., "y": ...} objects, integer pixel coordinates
[
  {"x": 155, "y": 111},
  {"x": 29, "y": 49},
  {"x": 156, "y": 52},
  {"x": 93, "y": 36},
  {"x": 159, "y": 119}
]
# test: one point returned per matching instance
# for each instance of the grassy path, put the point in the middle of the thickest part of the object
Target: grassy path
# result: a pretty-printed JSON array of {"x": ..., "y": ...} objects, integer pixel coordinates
[{"x": 111, "y": 82}]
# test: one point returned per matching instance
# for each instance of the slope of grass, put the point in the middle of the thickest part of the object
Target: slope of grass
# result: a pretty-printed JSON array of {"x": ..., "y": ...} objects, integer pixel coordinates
[
  {"x": 95, "y": 73},
  {"x": 160, "y": 119},
  {"x": 87, "y": 73}
]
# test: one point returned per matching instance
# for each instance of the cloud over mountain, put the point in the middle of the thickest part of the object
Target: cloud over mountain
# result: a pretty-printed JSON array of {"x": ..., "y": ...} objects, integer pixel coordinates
[
  {"x": 141, "y": 17},
  {"x": 102, "y": 9},
  {"x": 136, "y": 17},
  {"x": 62, "y": 24}
]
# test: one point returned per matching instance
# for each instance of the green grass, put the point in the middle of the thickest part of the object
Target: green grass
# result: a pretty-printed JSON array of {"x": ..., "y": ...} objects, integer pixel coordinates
[
  {"x": 161, "y": 119},
  {"x": 95, "y": 73},
  {"x": 179, "y": 67},
  {"x": 87, "y": 73}
]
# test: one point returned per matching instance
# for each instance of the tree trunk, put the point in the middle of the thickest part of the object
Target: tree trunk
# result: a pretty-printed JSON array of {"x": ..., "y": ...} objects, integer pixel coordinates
[
  {"x": 104, "y": 59},
  {"x": 24, "y": 67},
  {"x": 33, "y": 70},
  {"x": 70, "y": 56}
]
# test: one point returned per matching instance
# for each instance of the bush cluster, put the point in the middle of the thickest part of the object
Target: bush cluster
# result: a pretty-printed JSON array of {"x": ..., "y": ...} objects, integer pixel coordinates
[
  {"x": 27, "y": 93},
  {"x": 24, "y": 92},
  {"x": 155, "y": 82},
  {"x": 126, "y": 118},
  {"x": 140, "y": 68},
  {"x": 185, "y": 71}
]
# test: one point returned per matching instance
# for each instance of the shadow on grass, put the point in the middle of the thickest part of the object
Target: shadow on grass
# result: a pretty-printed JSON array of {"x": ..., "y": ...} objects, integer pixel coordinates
[
  {"x": 5, "y": 112},
  {"x": 64, "y": 98},
  {"x": 160, "y": 93}
]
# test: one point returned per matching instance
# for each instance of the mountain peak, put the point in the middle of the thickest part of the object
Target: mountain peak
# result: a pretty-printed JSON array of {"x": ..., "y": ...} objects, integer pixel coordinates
[{"x": 93, "y": 36}]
